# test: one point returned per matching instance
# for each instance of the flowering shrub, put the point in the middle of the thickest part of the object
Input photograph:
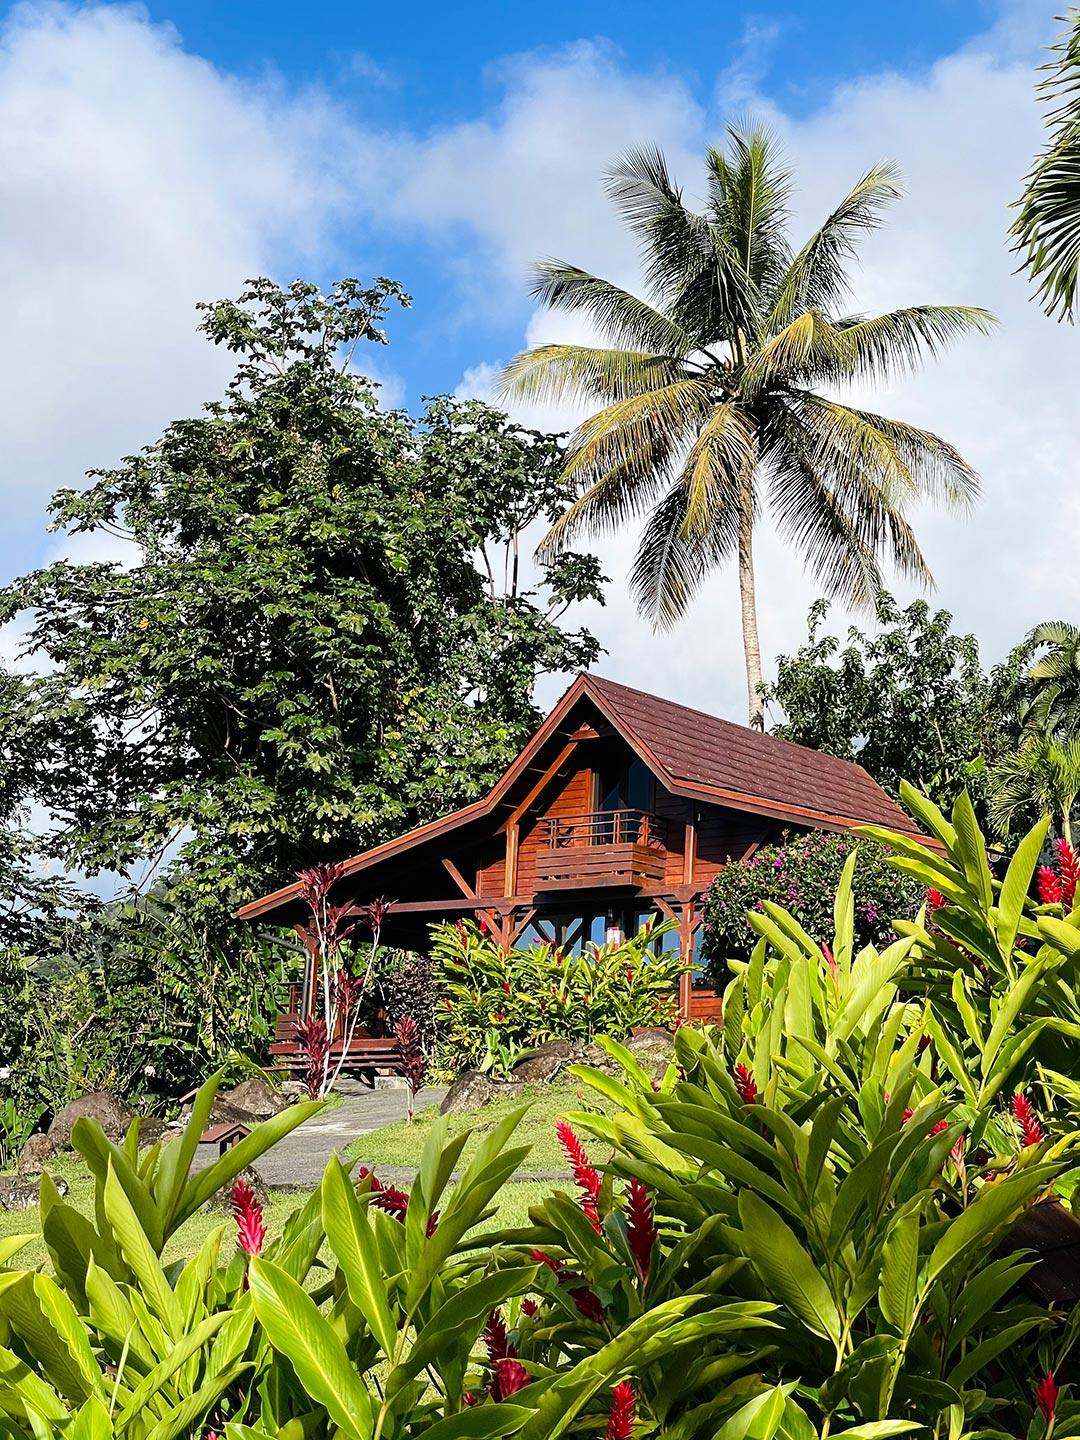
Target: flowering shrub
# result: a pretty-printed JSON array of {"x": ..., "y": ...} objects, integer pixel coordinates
[
  {"x": 802, "y": 875},
  {"x": 500, "y": 1003}
]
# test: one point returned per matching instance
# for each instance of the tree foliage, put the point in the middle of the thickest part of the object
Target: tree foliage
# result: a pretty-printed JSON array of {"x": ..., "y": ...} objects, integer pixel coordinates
[
  {"x": 316, "y": 632},
  {"x": 717, "y": 394}
]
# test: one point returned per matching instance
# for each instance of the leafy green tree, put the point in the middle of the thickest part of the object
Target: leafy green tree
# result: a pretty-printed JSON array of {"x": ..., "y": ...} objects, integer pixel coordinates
[
  {"x": 1046, "y": 230},
  {"x": 299, "y": 651},
  {"x": 909, "y": 702},
  {"x": 718, "y": 393}
]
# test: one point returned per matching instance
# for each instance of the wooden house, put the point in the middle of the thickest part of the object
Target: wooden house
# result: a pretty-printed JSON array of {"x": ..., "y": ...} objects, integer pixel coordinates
[{"x": 622, "y": 805}]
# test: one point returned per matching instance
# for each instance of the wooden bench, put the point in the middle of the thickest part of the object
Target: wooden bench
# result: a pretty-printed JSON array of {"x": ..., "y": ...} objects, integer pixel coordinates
[{"x": 369, "y": 1055}]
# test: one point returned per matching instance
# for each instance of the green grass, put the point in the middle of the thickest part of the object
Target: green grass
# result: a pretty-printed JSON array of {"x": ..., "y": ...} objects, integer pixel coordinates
[
  {"x": 402, "y": 1143},
  {"x": 513, "y": 1209}
]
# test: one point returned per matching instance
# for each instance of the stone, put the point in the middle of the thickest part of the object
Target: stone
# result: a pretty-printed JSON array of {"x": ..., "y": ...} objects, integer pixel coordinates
[
  {"x": 224, "y": 1113},
  {"x": 473, "y": 1088},
  {"x": 222, "y": 1199},
  {"x": 18, "y": 1194},
  {"x": 546, "y": 1062},
  {"x": 33, "y": 1155},
  {"x": 653, "y": 1049},
  {"x": 100, "y": 1105},
  {"x": 257, "y": 1096}
]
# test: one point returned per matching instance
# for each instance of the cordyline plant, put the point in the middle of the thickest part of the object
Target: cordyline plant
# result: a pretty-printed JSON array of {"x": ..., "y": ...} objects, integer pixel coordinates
[
  {"x": 340, "y": 995},
  {"x": 413, "y": 1059},
  {"x": 840, "y": 1153}
]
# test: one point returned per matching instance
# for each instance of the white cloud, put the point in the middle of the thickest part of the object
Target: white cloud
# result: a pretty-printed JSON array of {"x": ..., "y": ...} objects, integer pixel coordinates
[
  {"x": 135, "y": 179},
  {"x": 525, "y": 181}
]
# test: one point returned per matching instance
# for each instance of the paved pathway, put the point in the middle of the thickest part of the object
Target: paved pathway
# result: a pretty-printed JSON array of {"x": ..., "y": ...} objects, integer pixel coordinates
[{"x": 301, "y": 1157}]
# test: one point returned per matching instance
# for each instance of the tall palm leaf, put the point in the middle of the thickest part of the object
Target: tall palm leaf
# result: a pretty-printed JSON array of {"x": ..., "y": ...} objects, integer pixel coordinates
[
  {"x": 1047, "y": 226},
  {"x": 1041, "y": 778},
  {"x": 1054, "y": 707},
  {"x": 710, "y": 397}
]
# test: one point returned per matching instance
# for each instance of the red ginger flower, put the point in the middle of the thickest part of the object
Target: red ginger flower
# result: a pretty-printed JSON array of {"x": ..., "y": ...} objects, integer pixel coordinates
[
  {"x": 1049, "y": 886},
  {"x": 470, "y": 1398},
  {"x": 641, "y": 1231},
  {"x": 934, "y": 900},
  {"x": 530, "y": 1308},
  {"x": 588, "y": 1303},
  {"x": 1046, "y": 1396},
  {"x": 541, "y": 1257},
  {"x": 394, "y": 1201},
  {"x": 248, "y": 1213},
  {"x": 744, "y": 1084},
  {"x": 588, "y": 1180},
  {"x": 510, "y": 1376},
  {"x": 939, "y": 1127},
  {"x": 1068, "y": 869},
  {"x": 496, "y": 1339},
  {"x": 1031, "y": 1131},
  {"x": 620, "y": 1425}
]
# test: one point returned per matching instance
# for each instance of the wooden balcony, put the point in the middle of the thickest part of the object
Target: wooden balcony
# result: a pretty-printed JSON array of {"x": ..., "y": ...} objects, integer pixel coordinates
[{"x": 601, "y": 850}]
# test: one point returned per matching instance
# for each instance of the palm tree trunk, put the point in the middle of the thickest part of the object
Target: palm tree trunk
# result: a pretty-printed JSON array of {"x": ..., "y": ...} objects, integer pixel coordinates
[{"x": 748, "y": 604}]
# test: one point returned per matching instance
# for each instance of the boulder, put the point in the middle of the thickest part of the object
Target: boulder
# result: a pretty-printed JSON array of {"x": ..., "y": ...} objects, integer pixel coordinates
[
  {"x": 653, "y": 1049},
  {"x": 257, "y": 1096},
  {"x": 546, "y": 1062},
  {"x": 20, "y": 1194},
  {"x": 222, "y": 1199},
  {"x": 473, "y": 1088},
  {"x": 102, "y": 1106},
  {"x": 33, "y": 1155}
]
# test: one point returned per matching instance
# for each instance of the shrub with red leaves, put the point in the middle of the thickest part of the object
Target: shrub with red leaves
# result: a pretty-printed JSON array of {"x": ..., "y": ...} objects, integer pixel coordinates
[
  {"x": 413, "y": 1059},
  {"x": 314, "y": 1047}
]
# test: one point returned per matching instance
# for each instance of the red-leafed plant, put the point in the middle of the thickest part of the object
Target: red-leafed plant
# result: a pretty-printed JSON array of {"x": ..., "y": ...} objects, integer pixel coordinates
[
  {"x": 413, "y": 1059},
  {"x": 339, "y": 994}
]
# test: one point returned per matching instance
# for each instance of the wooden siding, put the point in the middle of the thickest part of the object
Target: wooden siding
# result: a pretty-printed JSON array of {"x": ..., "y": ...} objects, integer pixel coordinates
[
  {"x": 725, "y": 835},
  {"x": 569, "y": 795}
]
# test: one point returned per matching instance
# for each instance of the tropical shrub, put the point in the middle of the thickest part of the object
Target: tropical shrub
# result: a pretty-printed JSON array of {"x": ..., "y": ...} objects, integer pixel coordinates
[
  {"x": 802, "y": 874},
  {"x": 499, "y": 1003},
  {"x": 852, "y": 1154}
]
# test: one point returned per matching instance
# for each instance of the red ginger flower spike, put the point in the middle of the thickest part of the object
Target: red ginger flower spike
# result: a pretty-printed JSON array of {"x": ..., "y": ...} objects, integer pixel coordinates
[
  {"x": 620, "y": 1425},
  {"x": 496, "y": 1339},
  {"x": 588, "y": 1303},
  {"x": 1031, "y": 1131},
  {"x": 939, "y": 1127},
  {"x": 588, "y": 1180},
  {"x": 248, "y": 1213},
  {"x": 1068, "y": 869},
  {"x": 530, "y": 1308},
  {"x": 470, "y": 1398},
  {"x": 557, "y": 1267},
  {"x": 510, "y": 1376},
  {"x": 387, "y": 1197},
  {"x": 1048, "y": 885},
  {"x": 934, "y": 900},
  {"x": 744, "y": 1084},
  {"x": 1046, "y": 1396},
  {"x": 641, "y": 1231}
]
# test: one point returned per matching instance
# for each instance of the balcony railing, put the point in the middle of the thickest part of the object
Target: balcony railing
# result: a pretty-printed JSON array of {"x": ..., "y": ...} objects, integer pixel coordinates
[
  {"x": 603, "y": 827},
  {"x": 603, "y": 849}
]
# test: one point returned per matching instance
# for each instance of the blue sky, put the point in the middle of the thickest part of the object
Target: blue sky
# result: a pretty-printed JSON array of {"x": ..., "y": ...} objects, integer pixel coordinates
[{"x": 152, "y": 156}]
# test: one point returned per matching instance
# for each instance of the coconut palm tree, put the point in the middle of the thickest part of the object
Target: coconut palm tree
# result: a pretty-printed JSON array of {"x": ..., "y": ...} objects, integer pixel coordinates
[
  {"x": 1047, "y": 226},
  {"x": 717, "y": 393}
]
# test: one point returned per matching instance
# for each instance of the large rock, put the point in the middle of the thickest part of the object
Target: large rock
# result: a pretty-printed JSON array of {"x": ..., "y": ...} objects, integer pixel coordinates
[
  {"x": 222, "y": 1199},
  {"x": 33, "y": 1155},
  {"x": 473, "y": 1088},
  {"x": 102, "y": 1106},
  {"x": 17, "y": 1193},
  {"x": 653, "y": 1050},
  {"x": 546, "y": 1062},
  {"x": 257, "y": 1096}
]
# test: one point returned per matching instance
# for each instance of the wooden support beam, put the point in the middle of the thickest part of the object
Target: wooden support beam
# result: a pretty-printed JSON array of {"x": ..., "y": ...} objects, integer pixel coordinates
[
  {"x": 459, "y": 879},
  {"x": 520, "y": 926},
  {"x": 545, "y": 779},
  {"x": 513, "y": 840},
  {"x": 690, "y": 846}
]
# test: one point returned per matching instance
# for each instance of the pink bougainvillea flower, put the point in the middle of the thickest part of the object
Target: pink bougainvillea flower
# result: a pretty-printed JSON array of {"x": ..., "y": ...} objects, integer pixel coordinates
[
  {"x": 744, "y": 1084},
  {"x": 587, "y": 1179},
  {"x": 509, "y": 1377},
  {"x": 1046, "y": 1396},
  {"x": 1049, "y": 886},
  {"x": 620, "y": 1425},
  {"x": 248, "y": 1213},
  {"x": 640, "y": 1229},
  {"x": 1031, "y": 1131}
]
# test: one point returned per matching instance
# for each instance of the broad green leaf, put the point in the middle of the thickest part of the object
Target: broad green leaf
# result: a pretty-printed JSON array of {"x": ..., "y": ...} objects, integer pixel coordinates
[
  {"x": 899, "y": 1271},
  {"x": 758, "y": 1419},
  {"x": 63, "y": 1317},
  {"x": 297, "y": 1330},
  {"x": 480, "y": 1422},
  {"x": 1017, "y": 884},
  {"x": 993, "y": 1206},
  {"x": 972, "y": 850},
  {"x": 137, "y": 1250},
  {"x": 786, "y": 1269},
  {"x": 92, "y": 1422},
  {"x": 348, "y": 1228}
]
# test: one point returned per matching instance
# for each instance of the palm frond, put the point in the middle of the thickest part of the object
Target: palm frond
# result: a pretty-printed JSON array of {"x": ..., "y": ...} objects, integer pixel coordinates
[
  {"x": 1041, "y": 778},
  {"x": 620, "y": 458},
  {"x": 817, "y": 277},
  {"x": 724, "y": 450},
  {"x": 670, "y": 564},
  {"x": 581, "y": 372},
  {"x": 880, "y": 347},
  {"x": 748, "y": 202},
  {"x": 623, "y": 318},
  {"x": 1046, "y": 230}
]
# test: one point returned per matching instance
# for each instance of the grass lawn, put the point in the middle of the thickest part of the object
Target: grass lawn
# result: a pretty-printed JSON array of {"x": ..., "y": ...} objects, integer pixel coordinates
[
  {"x": 513, "y": 1209},
  {"x": 402, "y": 1143}
]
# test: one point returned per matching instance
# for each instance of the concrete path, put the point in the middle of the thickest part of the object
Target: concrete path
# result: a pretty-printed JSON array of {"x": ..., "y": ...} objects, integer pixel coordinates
[{"x": 300, "y": 1159}]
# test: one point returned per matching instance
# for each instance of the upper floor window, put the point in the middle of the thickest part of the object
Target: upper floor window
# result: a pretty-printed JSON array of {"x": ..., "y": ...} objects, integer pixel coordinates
[{"x": 626, "y": 785}]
